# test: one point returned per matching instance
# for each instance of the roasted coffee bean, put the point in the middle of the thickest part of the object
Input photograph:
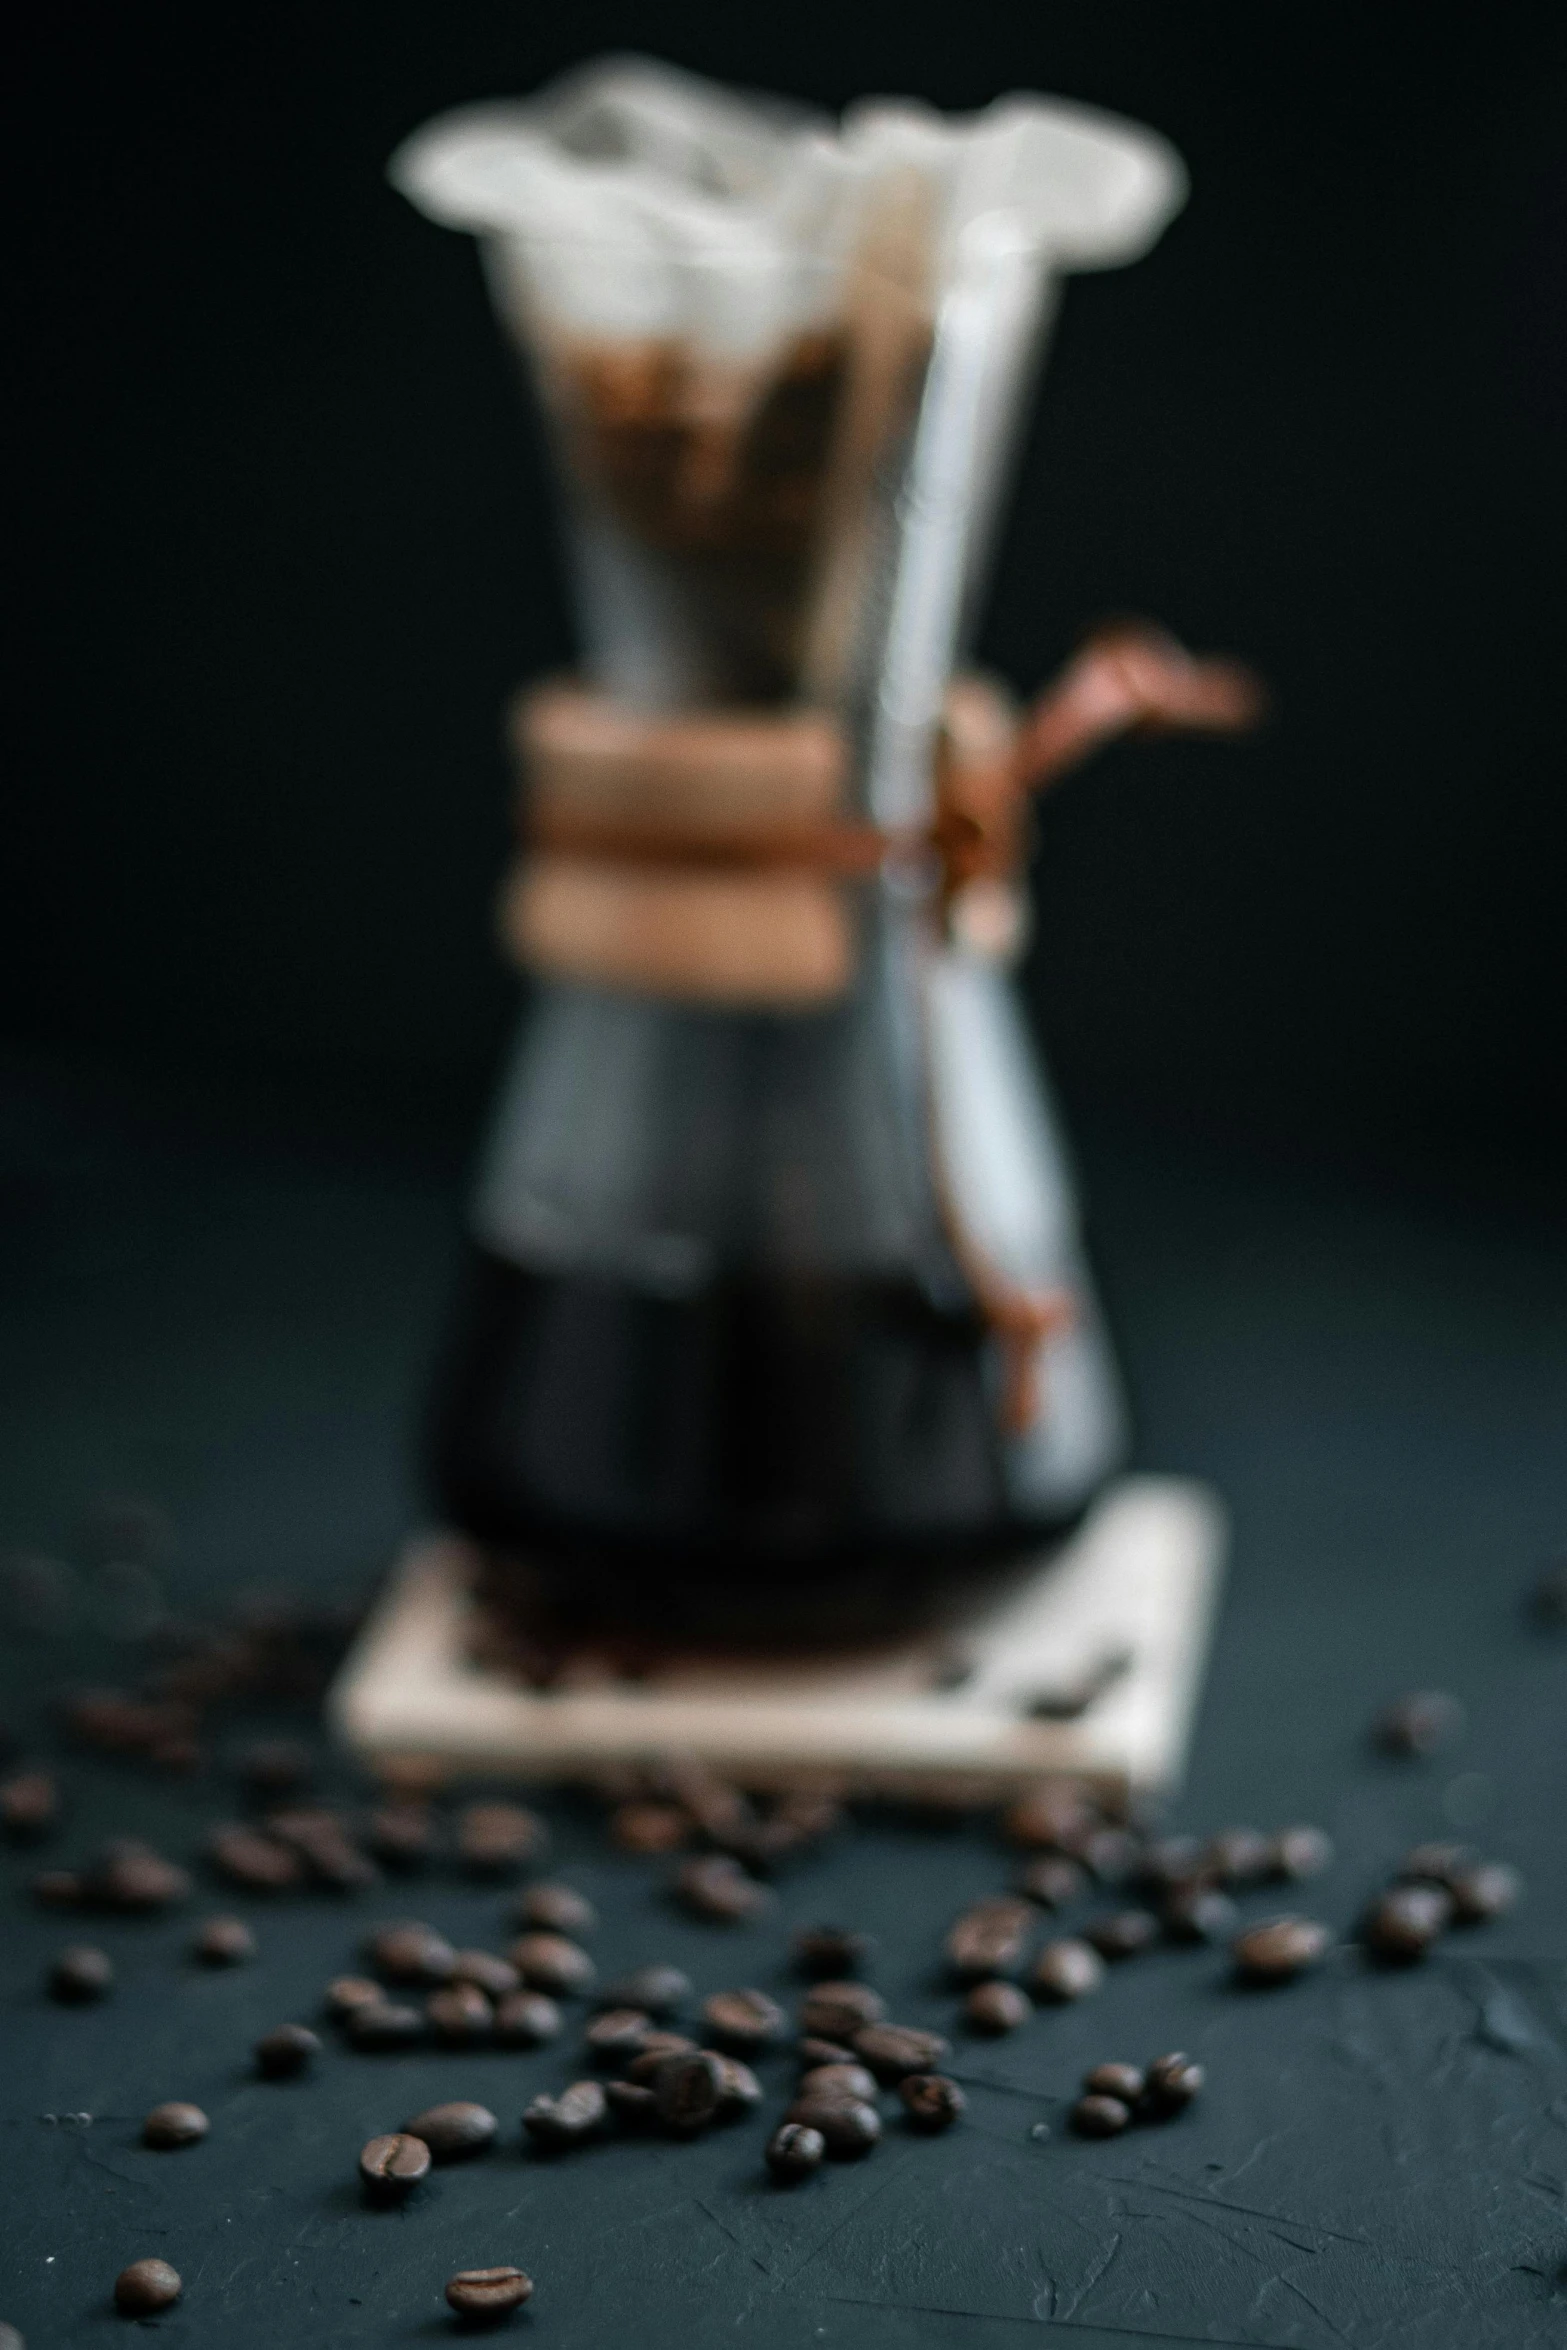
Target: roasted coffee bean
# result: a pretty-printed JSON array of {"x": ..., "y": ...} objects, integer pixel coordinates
[
  {"x": 619, "y": 2033},
  {"x": 650, "y": 1827},
  {"x": 556, "y": 1909},
  {"x": 491, "y": 1975},
  {"x": 146, "y": 2287},
  {"x": 931, "y": 2101},
  {"x": 454, "y": 2131},
  {"x": 174, "y": 2124},
  {"x": 258, "y": 1863},
  {"x": 411, "y": 1952},
  {"x": 717, "y": 1887},
  {"x": 276, "y": 1766},
  {"x": 488, "y": 2292},
  {"x": 224, "y": 1942},
  {"x": 58, "y": 1889},
  {"x": 643, "y": 2067},
  {"x": 345, "y": 1995},
  {"x": 812, "y": 2050},
  {"x": 1406, "y": 1921},
  {"x": 741, "y": 2089},
  {"x": 743, "y": 2019},
  {"x": 1199, "y": 1913},
  {"x": 794, "y": 2151},
  {"x": 1123, "y": 1934},
  {"x": 836, "y": 2011},
  {"x": 526, "y": 2019},
  {"x": 718, "y": 1808},
  {"x": 1240, "y": 1856},
  {"x": 79, "y": 1973},
  {"x": 1112, "y": 1856},
  {"x": 324, "y": 1845},
  {"x": 891, "y": 2050},
  {"x": 633, "y": 2101},
  {"x": 1052, "y": 1881},
  {"x": 549, "y": 1962},
  {"x": 658, "y": 1990},
  {"x": 1439, "y": 1863},
  {"x": 688, "y": 2089},
  {"x": 1420, "y": 1724},
  {"x": 494, "y": 1839},
  {"x": 831, "y": 1950},
  {"x": 1049, "y": 1817},
  {"x": 569, "y": 2118},
  {"x": 837, "y": 2080},
  {"x": 460, "y": 2016},
  {"x": 1066, "y": 1969},
  {"x": 382, "y": 2024},
  {"x": 1279, "y": 1949},
  {"x": 402, "y": 1836},
  {"x": 1488, "y": 1890},
  {"x": 1126, "y": 2081},
  {"x": 846, "y": 2125},
  {"x": 1172, "y": 2083},
  {"x": 1301, "y": 1852},
  {"x": 29, "y": 1805},
  {"x": 392, "y": 2167},
  {"x": 134, "y": 1878},
  {"x": 1100, "y": 2117},
  {"x": 988, "y": 1939},
  {"x": 287, "y": 2051},
  {"x": 1172, "y": 1863},
  {"x": 996, "y": 2008}
]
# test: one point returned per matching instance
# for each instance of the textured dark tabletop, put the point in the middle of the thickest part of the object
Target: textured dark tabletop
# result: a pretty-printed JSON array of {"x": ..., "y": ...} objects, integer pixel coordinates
[{"x": 234, "y": 1320}]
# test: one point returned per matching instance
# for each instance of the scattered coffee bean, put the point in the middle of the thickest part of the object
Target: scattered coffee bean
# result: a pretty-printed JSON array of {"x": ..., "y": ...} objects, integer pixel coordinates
[
  {"x": 454, "y": 2131},
  {"x": 346, "y": 1994},
  {"x": 1052, "y": 1881},
  {"x": 1067, "y": 1969},
  {"x": 1173, "y": 1863},
  {"x": 569, "y": 2118},
  {"x": 1548, "y": 1599},
  {"x": 146, "y": 2287},
  {"x": 618, "y": 2033},
  {"x": 632, "y": 2100},
  {"x": 1439, "y": 1863},
  {"x": 813, "y": 2050},
  {"x": 58, "y": 1889},
  {"x": 402, "y": 1835},
  {"x": 392, "y": 2167},
  {"x": 287, "y": 2051},
  {"x": 1420, "y": 1724},
  {"x": 224, "y": 1942},
  {"x": 1172, "y": 2082},
  {"x": 658, "y": 1990},
  {"x": 996, "y": 2008},
  {"x": 688, "y": 2089},
  {"x": 556, "y": 1909},
  {"x": 1199, "y": 1913},
  {"x": 411, "y": 1952},
  {"x": 322, "y": 1842},
  {"x": 1239, "y": 1856},
  {"x": 1123, "y": 1934},
  {"x": 260, "y": 1864},
  {"x": 1111, "y": 1855},
  {"x": 494, "y": 1976},
  {"x": 891, "y": 2050},
  {"x": 1488, "y": 1890},
  {"x": 460, "y": 2016},
  {"x": 130, "y": 1876},
  {"x": 1302, "y": 1852},
  {"x": 847, "y": 2126},
  {"x": 79, "y": 1973},
  {"x": 741, "y": 2089},
  {"x": 549, "y": 1962},
  {"x": 174, "y": 2124},
  {"x": 1049, "y": 1817},
  {"x": 29, "y": 1805},
  {"x": 1100, "y": 2117},
  {"x": 488, "y": 2292},
  {"x": 743, "y": 2019},
  {"x": 931, "y": 2101},
  {"x": 382, "y": 2024},
  {"x": 717, "y": 1887},
  {"x": 831, "y": 1950},
  {"x": 643, "y": 2068},
  {"x": 794, "y": 2151},
  {"x": 494, "y": 1839},
  {"x": 836, "y": 2011},
  {"x": 988, "y": 1939},
  {"x": 649, "y": 1827},
  {"x": 837, "y": 2080},
  {"x": 526, "y": 2019},
  {"x": 276, "y": 1766},
  {"x": 1279, "y": 1949},
  {"x": 1125, "y": 2081},
  {"x": 1406, "y": 1921}
]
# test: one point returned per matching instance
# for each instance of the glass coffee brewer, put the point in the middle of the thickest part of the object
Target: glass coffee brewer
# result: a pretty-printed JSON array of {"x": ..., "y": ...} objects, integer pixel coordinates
[{"x": 776, "y": 1320}]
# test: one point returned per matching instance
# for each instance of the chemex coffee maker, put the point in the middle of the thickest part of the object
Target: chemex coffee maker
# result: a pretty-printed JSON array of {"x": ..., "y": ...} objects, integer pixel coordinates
[{"x": 776, "y": 1326}]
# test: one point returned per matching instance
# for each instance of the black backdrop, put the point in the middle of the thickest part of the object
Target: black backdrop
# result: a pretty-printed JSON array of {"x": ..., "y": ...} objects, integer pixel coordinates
[{"x": 286, "y": 544}]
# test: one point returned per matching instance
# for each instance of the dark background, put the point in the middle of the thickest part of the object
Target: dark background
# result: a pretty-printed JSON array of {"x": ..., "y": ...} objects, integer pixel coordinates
[{"x": 286, "y": 544}]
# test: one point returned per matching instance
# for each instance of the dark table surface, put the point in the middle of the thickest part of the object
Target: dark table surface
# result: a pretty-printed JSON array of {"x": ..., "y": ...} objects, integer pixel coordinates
[{"x": 231, "y": 1313}]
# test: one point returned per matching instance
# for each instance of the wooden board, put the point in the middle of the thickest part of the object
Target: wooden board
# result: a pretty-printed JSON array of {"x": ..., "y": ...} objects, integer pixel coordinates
[{"x": 1130, "y": 1596}]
